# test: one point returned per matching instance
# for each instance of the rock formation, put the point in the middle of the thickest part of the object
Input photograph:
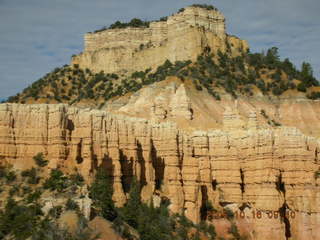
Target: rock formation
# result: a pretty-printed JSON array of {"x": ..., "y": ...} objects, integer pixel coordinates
[
  {"x": 258, "y": 169},
  {"x": 182, "y": 36},
  {"x": 257, "y": 156},
  {"x": 180, "y": 104}
]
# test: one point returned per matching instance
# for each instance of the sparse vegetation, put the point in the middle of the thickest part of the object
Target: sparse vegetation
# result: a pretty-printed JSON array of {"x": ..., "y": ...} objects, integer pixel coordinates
[
  {"x": 271, "y": 122},
  {"x": 135, "y": 23},
  {"x": 22, "y": 216},
  {"x": 7, "y": 174},
  {"x": 205, "y": 6},
  {"x": 216, "y": 73}
]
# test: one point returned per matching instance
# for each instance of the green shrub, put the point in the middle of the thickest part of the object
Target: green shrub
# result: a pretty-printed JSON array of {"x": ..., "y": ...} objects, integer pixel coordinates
[
  {"x": 264, "y": 114},
  {"x": 212, "y": 232},
  {"x": 40, "y": 160},
  {"x": 301, "y": 87},
  {"x": 56, "y": 181},
  {"x": 34, "y": 196},
  {"x": 55, "y": 212},
  {"x": 77, "y": 179},
  {"x": 3, "y": 172},
  {"x": 314, "y": 95},
  {"x": 229, "y": 213},
  {"x": 205, "y": 6},
  {"x": 275, "y": 123},
  {"x": 198, "y": 87},
  {"x": 262, "y": 86},
  {"x": 26, "y": 189},
  {"x": 32, "y": 176},
  {"x": 10, "y": 176},
  {"x": 19, "y": 220},
  {"x": 277, "y": 91},
  {"x": 114, "y": 76},
  {"x": 138, "y": 75},
  {"x": 14, "y": 190},
  {"x": 135, "y": 22},
  {"x": 234, "y": 231},
  {"x": 72, "y": 205},
  {"x": 163, "y": 19}
]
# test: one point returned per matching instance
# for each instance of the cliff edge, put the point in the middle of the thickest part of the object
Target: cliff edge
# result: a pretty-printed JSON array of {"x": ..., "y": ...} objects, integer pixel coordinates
[{"x": 180, "y": 37}]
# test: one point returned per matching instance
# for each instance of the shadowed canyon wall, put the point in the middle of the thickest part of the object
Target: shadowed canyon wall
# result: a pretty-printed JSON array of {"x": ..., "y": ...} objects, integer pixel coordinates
[{"x": 252, "y": 168}]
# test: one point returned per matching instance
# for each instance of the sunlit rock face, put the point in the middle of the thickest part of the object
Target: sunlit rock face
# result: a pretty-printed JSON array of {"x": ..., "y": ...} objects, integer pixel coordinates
[
  {"x": 243, "y": 163},
  {"x": 183, "y": 36}
]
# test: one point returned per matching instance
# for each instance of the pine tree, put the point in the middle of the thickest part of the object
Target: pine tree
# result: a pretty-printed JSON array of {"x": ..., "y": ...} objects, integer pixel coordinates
[
  {"x": 132, "y": 208},
  {"x": 101, "y": 193},
  {"x": 307, "y": 75}
]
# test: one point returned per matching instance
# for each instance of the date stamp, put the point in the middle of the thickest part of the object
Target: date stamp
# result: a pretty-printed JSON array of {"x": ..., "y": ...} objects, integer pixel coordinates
[
  {"x": 265, "y": 214},
  {"x": 254, "y": 214}
]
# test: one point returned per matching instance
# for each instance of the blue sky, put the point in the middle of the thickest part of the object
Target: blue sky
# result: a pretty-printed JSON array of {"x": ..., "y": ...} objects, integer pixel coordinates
[{"x": 38, "y": 35}]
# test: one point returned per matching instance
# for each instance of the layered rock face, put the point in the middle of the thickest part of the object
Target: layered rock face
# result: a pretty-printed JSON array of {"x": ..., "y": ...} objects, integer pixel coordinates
[
  {"x": 240, "y": 165},
  {"x": 182, "y": 36}
]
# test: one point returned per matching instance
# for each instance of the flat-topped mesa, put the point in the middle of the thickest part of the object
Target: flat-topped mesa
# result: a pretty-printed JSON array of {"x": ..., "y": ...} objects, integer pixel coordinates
[
  {"x": 158, "y": 31},
  {"x": 182, "y": 36}
]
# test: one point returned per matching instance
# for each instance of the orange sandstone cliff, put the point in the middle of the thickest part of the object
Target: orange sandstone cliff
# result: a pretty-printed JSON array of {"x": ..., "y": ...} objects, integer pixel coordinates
[{"x": 241, "y": 165}]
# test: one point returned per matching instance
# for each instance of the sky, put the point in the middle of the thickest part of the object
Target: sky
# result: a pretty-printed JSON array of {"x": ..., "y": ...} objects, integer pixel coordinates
[{"x": 38, "y": 35}]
